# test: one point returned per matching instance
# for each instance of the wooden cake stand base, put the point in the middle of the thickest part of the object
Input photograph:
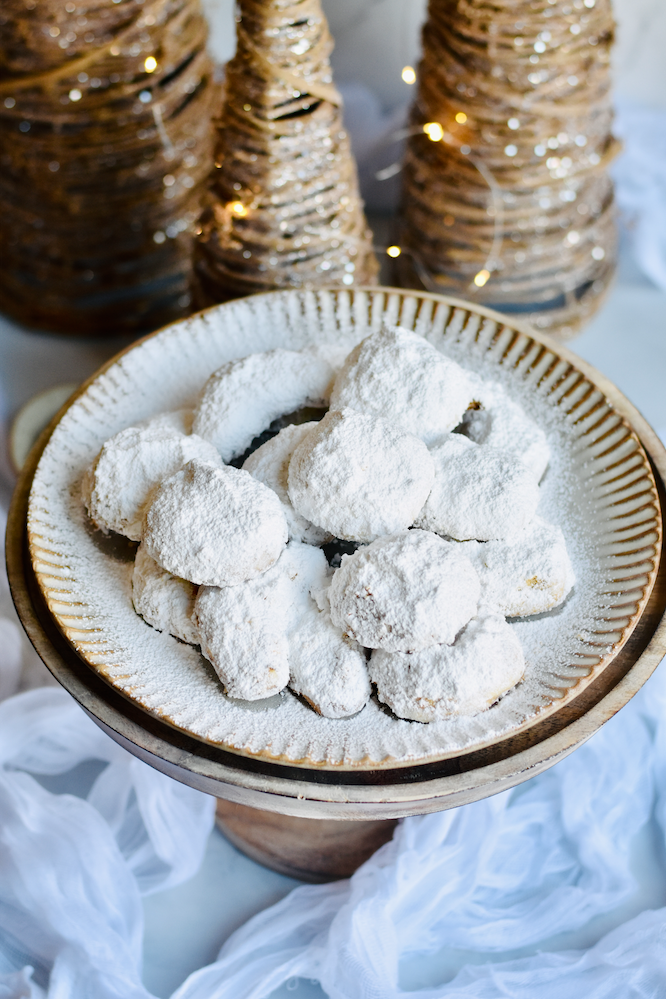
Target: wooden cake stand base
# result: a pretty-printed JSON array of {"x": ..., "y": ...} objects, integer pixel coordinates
[{"x": 314, "y": 850}]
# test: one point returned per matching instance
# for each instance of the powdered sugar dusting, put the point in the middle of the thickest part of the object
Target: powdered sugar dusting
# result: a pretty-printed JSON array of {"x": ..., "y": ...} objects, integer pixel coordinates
[{"x": 89, "y": 589}]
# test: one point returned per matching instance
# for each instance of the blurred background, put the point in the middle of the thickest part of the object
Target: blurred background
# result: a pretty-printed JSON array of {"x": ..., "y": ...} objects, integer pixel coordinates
[{"x": 376, "y": 38}]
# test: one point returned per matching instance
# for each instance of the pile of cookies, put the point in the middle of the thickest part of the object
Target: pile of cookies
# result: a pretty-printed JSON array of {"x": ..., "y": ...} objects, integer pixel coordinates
[{"x": 427, "y": 475}]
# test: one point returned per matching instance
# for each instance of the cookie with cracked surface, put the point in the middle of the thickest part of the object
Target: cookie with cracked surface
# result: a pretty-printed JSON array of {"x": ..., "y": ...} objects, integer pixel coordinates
[
  {"x": 528, "y": 574},
  {"x": 405, "y": 592},
  {"x": 480, "y": 493},
  {"x": 485, "y": 661},
  {"x": 398, "y": 375},
  {"x": 500, "y": 422}
]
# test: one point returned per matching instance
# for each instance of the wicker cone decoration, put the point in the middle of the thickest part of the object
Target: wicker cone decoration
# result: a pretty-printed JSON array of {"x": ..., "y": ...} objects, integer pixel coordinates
[
  {"x": 285, "y": 209},
  {"x": 506, "y": 195},
  {"x": 105, "y": 146}
]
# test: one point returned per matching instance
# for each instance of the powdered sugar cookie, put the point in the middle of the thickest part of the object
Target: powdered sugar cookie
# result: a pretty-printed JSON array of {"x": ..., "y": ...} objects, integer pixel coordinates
[
  {"x": 479, "y": 492},
  {"x": 119, "y": 485},
  {"x": 528, "y": 574},
  {"x": 359, "y": 476},
  {"x": 177, "y": 419},
  {"x": 270, "y": 465},
  {"x": 485, "y": 662},
  {"x": 164, "y": 601},
  {"x": 405, "y": 592},
  {"x": 244, "y": 629},
  {"x": 326, "y": 667},
  {"x": 335, "y": 352},
  {"x": 243, "y": 397},
  {"x": 500, "y": 422},
  {"x": 398, "y": 375},
  {"x": 214, "y": 526}
]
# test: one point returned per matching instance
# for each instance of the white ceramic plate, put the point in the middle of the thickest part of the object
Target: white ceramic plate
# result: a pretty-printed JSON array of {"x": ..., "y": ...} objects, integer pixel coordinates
[{"x": 599, "y": 488}]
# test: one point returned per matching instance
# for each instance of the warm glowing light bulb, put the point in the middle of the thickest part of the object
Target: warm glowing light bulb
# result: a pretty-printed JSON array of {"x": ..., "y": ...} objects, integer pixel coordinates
[
  {"x": 434, "y": 131},
  {"x": 150, "y": 64},
  {"x": 408, "y": 74},
  {"x": 461, "y": 117},
  {"x": 238, "y": 208},
  {"x": 481, "y": 278},
  {"x": 394, "y": 251}
]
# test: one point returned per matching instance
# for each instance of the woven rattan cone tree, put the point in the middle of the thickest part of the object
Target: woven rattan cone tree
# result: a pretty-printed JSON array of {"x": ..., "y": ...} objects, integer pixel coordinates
[
  {"x": 285, "y": 209},
  {"x": 106, "y": 143},
  {"x": 506, "y": 195}
]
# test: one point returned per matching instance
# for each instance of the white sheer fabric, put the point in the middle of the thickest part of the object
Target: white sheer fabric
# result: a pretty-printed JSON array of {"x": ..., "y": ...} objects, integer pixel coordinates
[
  {"x": 72, "y": 871},
  {"x": 496, "y": 876}
]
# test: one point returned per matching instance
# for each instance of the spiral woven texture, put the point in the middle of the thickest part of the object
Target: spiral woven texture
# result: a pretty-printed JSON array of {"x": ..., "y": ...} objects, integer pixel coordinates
[
  {"x": 285, "y": 209},
  {"x": 509, "y": 202},
  {"x": 105, "y": 144}
]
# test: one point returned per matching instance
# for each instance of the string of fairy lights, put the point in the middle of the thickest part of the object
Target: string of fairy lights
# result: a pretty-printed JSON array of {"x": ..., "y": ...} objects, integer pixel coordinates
[
  {"x": 509, "y": 199},
  {"x": 436, "y": 133},
  {"x": 284, "y": 208},
  {"x": 505, "y": 188}
]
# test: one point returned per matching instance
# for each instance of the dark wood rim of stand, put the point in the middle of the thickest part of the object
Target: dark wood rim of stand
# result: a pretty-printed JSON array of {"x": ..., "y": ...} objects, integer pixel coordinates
[{"x": 353, "y": 795}]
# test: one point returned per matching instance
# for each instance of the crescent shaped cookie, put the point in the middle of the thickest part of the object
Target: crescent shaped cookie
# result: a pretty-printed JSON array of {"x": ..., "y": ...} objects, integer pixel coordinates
[
  {"x": 120, "y": 483},
  {"x": 326, "y": 667},
  {"x": 165, "y": 601},
  {"x": 244, "y": 629},
  {"x": 243, "y": 397},
  {"x": 270, "y": 465}
]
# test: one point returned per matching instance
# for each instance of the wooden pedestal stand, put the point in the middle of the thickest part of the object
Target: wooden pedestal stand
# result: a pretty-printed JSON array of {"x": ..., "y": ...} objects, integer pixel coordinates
[
  {"x": 309, "y": 849},
  {"x": 312, "y": 823}
]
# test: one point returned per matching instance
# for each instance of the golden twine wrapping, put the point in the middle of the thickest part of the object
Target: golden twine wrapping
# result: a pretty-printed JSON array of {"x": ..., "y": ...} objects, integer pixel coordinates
[
  {"x": 105, "y": 146},
  {"x": 511, "y": 204},
  {"x": 285, "y": 209}
]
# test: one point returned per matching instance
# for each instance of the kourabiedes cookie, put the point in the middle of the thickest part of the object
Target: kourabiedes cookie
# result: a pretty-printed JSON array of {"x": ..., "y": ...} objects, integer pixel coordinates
[
  {"x": 404, "y": 592},
  {"x": 359, "y": 476}
]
